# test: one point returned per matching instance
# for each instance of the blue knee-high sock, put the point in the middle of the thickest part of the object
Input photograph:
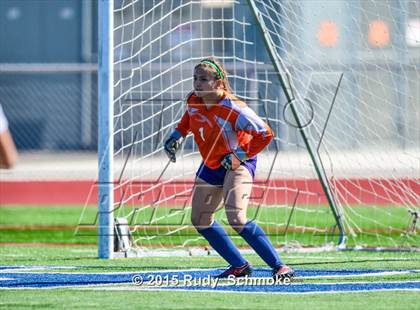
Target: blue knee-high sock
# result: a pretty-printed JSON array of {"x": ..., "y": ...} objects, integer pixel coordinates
[
  {"x": 221, "y": 243},
  {"x": 257, "y": 239}
]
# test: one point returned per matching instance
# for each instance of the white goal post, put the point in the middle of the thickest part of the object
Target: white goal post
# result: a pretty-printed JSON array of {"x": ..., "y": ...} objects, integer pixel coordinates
[
  {"x": 337, "y": 81},
  {"x": 105, "y": 131}
]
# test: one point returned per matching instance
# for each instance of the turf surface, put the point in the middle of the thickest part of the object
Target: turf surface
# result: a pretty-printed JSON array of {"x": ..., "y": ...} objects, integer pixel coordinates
[
  {"x": 386, "y": 226},
  {"x": 83, "y": 259},
  {"x": 24, "y": 226}
]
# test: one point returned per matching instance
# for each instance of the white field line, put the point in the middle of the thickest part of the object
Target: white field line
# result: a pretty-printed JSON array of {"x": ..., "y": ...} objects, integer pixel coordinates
[
  {"x": 285, "y": 254},
  {"x": 223, "y": 283},
  {"x": 368, "y": 274},
  {"x": 131, "y": 288},
  {"x": 141, "y": 272},
  {"x": 116, "y": 287},
  {"x": 23, "y": 269},
  {"x": 15, "y": 270},
  {"x": 376, "y": 258},
  {"x": 248, "y": 292},
  {"x": 156, "y": 288}
]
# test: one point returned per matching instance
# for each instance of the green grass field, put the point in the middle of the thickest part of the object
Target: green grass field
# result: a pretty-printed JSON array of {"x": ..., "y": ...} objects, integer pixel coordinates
[
  {"x": 54, "y": 225},
  {"x": 310, "y": 225},
  {"x": 85, "y": 258}
]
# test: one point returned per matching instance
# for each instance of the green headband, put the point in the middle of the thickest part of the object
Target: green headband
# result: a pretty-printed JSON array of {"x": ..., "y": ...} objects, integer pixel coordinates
[{"x": 215, "y": 66}]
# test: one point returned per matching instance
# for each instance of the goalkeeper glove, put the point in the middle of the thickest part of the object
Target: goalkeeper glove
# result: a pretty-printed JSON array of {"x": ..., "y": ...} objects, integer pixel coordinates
[
  {"x": 233, "y": 160},
  {"x": 172, "y": 145}
]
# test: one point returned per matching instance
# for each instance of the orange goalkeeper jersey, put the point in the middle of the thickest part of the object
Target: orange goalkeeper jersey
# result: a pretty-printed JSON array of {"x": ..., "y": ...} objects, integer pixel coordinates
[{"x": 229, "y": 126}]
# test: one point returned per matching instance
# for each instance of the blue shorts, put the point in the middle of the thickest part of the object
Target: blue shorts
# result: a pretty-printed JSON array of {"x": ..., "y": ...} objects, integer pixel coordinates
[{"x": 217, "y": 176}]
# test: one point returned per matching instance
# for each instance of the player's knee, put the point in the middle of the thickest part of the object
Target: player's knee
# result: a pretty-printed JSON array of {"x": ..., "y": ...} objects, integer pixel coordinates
[
  {"x": 237, "y": 222},
  {"x": 201, "y": 221}
]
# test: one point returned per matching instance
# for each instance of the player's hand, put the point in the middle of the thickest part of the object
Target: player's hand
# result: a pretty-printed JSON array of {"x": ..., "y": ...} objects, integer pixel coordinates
[
  {"x": 231, "y": 162},
  {"x": 171, "y": 146}
]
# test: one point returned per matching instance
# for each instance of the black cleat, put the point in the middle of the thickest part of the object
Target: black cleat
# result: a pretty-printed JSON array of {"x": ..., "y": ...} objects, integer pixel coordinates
[
  {"x": 283, "y": 272},
  {"x": 245, "y": 270}
]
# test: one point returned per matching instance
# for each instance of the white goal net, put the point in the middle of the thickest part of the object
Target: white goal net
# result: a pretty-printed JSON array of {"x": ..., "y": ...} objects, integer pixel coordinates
[{"x": 349, "y": 69}]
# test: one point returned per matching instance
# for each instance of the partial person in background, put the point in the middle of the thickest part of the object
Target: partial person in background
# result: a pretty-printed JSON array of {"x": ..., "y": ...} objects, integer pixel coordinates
[{"x": 8, "y": 152}]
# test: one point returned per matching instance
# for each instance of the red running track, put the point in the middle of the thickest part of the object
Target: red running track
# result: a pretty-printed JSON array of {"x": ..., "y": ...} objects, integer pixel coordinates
[{"x": 353, "y": 191}]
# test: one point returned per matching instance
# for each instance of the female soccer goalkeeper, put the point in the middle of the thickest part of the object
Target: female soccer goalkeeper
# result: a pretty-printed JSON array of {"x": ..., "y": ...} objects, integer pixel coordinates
[{"x": 229, "y": 135}]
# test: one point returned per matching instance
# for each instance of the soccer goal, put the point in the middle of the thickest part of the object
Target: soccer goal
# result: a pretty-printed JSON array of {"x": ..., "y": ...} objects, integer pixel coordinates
[{"x": 337, "y": 81}]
